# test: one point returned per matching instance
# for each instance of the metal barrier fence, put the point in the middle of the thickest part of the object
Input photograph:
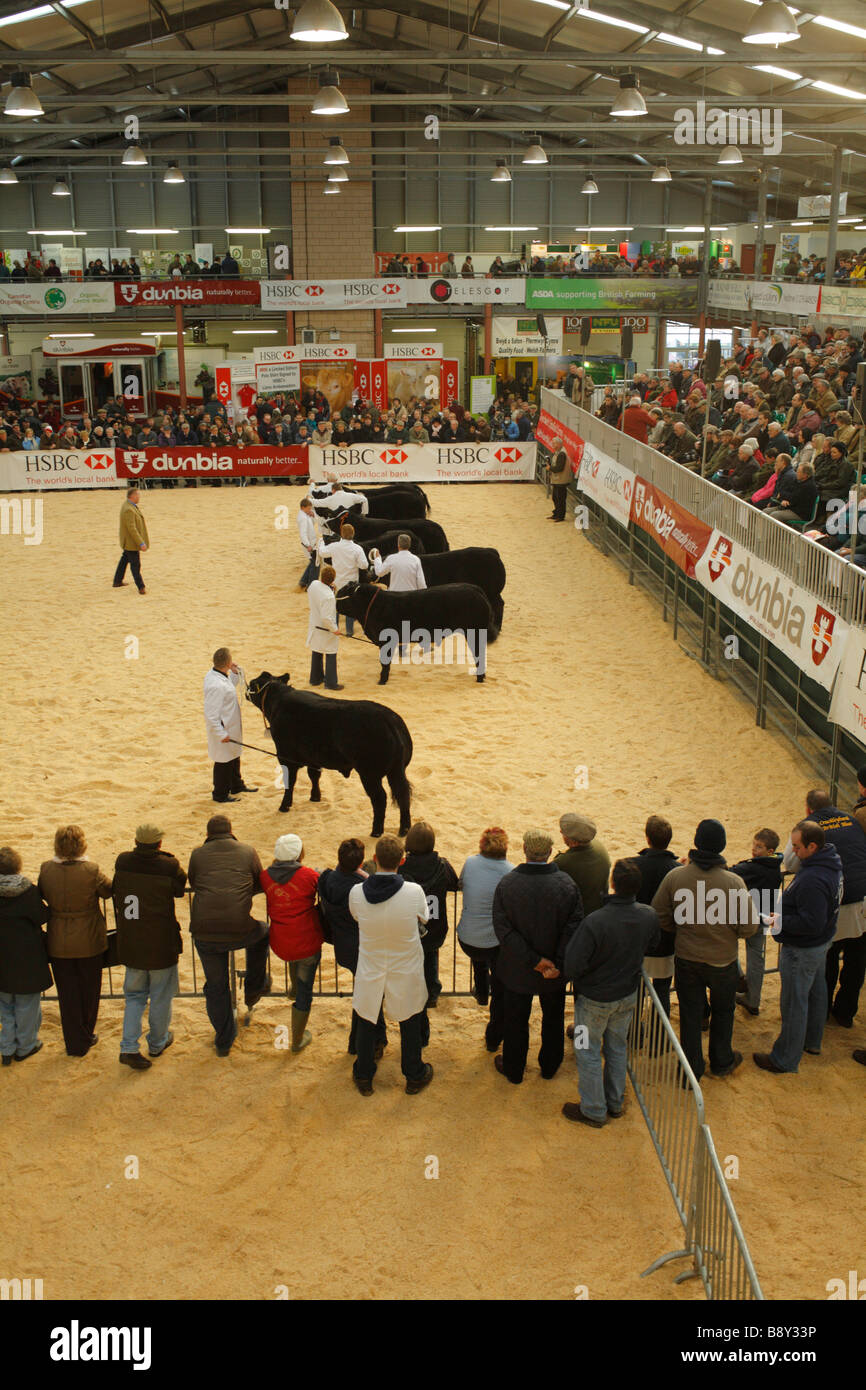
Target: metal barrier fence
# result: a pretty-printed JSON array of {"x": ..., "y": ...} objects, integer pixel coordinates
[{"x": 672, "y": 1105}]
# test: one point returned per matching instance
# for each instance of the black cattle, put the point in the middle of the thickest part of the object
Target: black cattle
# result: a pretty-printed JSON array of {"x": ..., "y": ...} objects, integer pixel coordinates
[
  {"x": 395, "y": 501},
  {"x": 430, "y": 532},
  {"x": 387, "y": 545},
  {"x": 481, "y": 565},
  {"x": 425, "y": 616},
  {"x": 313, "y": 731}
]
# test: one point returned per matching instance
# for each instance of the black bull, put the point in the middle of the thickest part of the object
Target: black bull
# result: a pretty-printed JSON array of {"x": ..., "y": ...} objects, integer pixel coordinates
[
  {"x": 481, "y": 565},
  {"x": 388, "y": 618},
  {"x": 313, "y": 731},
  {"x": 430, "y": 532},
  {"x": 395, "y": 501}
]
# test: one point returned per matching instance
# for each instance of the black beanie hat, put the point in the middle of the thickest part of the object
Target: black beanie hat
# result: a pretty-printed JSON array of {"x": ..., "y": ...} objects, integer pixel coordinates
[{"x": 710, "y": 837}]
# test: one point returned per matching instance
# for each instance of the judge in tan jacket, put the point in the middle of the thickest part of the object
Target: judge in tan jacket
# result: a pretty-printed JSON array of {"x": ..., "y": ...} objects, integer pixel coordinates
[
  {"x": 133, "y": 540},
  {"x": 560, "y": 476}
]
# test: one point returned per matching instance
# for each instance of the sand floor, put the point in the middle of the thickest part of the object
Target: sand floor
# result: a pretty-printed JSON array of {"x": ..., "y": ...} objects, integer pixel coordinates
[{"x": 267, "y": 1170}]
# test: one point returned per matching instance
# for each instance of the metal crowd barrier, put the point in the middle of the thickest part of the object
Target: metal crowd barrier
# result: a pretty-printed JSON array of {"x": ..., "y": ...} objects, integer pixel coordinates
[{"x": 672, "y": 1105}]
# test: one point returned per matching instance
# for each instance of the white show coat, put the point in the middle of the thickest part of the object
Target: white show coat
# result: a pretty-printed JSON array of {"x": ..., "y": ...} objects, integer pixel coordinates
[
  {"x": 307, "y": 531},
  {"x": 222, "y": 715},
  {"x": 341, "y": 501},
  {"x": 347, "y": 559},
  {"x": 390, "y": 956},
  {"x": 323, "y": 613},
  {"x": 405, "y": 571}
]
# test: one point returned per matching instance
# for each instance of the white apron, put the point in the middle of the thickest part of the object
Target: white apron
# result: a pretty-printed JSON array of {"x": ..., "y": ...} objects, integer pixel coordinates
[
  {"x": 390, "y": 956},
  {"x": 222, "y": 715}
]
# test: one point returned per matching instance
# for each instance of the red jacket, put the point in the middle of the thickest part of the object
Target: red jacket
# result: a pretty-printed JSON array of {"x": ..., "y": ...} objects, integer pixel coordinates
[
  {"x": 295, "y": 929},
  {"x": 636, "y": 422}
]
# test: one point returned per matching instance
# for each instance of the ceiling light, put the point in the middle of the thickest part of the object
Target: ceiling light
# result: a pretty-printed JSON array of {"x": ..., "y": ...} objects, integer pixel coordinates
[
  {"x": 802, "y": 224},
  {"x": 589, "y": 185},
  {"x": 338, "y": 176},
  {"x": 777, "y": 72},
  {"x": 719, "y": 51},
  {"x": 61, "y": 189},
  {"x": 329, "y": 100},
  {"x": 173, "y": 175},
  {"x": 730, "y": 155},
  {"x": 8, "y": 175},
  {"x": 71, "y": 335},
  {"x": 38, "y": 12},
  {"x": 680, "y": 43},
  {"x": 511, "y": 229},
  {"x": 629, "y": 102},
  {"x": 407, "y": 228},
  {"x": 331, "y": 188},
  {"x": 335, "y": 153},
  {"x": 153, "y": 231},
  {"x": 253, "y": 231},
  {"x": 661, "y": 175},
  {"x": 54, "y": 231},
  {"x": 555, "y": 4},
  {"x": 773, "y": 23},
  {"x": 252, "y": 332},
  {"x": 134, "y": 155},
  {"x": 609, "y": 19},
  {"x": 318, "y": 21},
  {"x": 858, "y": 218},
  {"x": 839, "y": 26},
  {"x": 419, "y": 330},
  {"x": 839, "y": 91},
  {"x": 22, "y": 100},
  {"x": 535, "y": 153},
  {"x": 604, "y": 229},
  {"x": 501, "y": 173}
]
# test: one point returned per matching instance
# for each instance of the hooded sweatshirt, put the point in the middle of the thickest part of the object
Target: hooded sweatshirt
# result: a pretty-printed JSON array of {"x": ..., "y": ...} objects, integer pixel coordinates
[
  {"x": 438, "y": 879},
  {"x": 810, "y": 904},
  {"x": 23, "y": 950},
  {"x": 334, "y": 890},
  {"x": 290, "y": 888},
  {"x": 378, "y": 888}
]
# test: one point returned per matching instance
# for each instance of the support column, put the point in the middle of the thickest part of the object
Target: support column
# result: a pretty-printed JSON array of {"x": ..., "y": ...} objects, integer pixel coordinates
[
  {"x": 377, "y": 334},
  {"x": 762, "y": 217},
  {"x": 181, "y": 361},
  {"x": 488, "y": 337},
  {"x": 290, "y": 327},
  {"x": 833, "y": 225},
  {"x": 702, "y": 330}
]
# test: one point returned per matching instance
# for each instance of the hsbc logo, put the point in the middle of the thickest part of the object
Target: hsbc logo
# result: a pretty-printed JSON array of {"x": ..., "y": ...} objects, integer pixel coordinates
[
  {"x": 428, "y": 352},
  {"x": 511, "y": 455},
  {"x": 393, "y": 456},
  {"x": 98, "y": 461},
  {"x": 391, "y": 289},
  {"x": 314, "y": 290},
  {"x": 340, "y": 352}
]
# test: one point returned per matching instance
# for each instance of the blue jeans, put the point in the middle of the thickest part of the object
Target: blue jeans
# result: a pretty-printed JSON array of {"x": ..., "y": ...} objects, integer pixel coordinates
[
  {"x": 607, "y": 1026},
  {"x": 160, "y": 986},
  {"x": 803, "y": 1003},
  {"x": 756, "y": 949},
  {"x": 20, "y": 1017},
  {"x": 311, "y": 572},
  {"x": 302, "y": 974}
]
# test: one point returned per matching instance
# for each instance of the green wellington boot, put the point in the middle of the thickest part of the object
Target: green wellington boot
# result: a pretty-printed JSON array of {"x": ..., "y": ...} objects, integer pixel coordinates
[{"x": 300, "y": 1037}]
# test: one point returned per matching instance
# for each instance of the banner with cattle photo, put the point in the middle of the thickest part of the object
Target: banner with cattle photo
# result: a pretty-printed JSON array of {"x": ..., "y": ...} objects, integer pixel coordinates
[
  {"x": 496, "y": 462},
  {"x": 806, "y": 631},
  {"x": 52, "y": 470}
]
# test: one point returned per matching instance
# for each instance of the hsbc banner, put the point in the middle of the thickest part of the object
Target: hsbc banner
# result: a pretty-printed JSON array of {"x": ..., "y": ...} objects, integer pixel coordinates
[
  {"x": 371, "y": 383},
  {"x": 805, "y": 630},
  {"x": 427, "y": 463},
  {"x": 848, "y": 706},
  {"x": 411, "y": 351},
  {"x": 679, "y": 533},
  {"x": 256, "y": 461},
  {"x": 54, "y": 470},
  {"x": 132, "y": 293},
  {"x": 308, "y": 352},
  {"x": 607, "y": 482},
  {"x": 285, "y": 295}
]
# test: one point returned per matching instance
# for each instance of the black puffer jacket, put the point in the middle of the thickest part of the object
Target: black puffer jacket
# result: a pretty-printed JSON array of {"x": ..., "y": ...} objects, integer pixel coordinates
[
  {"x": 23, "y": 950},
  {"x": 536, "y": 908},
  {"x": 334, "y": 889},
  {"x": 436, "y": 876}
]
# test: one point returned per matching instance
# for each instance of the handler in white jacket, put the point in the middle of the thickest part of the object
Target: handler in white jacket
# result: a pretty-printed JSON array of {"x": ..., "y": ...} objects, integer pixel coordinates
[
  {"x": 323, "y": 632},
  {"x": 222, "y": 717},
  {"x": 404, "y": 567},
  {"x": 348, "y": 561},
  {"x": 390, "y": 914},
  {"x": 309, "y": 538}
]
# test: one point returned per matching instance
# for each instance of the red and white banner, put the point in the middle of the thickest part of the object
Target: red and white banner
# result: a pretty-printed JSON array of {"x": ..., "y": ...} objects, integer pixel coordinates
[
  {"x": 680, "y": 534},
  {"x": 431, "y": 351},
  {"x": 286, "y": 295},
  {"x": 256, "y": 461},
  {"x": 130, "y": 294},
  {"x": 449, "y": 383},
  {"x": 53, "y": 470},
  {"x": 808, "y": 632},
  {"x": 308, "y": 352},
  {"x": 607, "y": 482},
  {"x": 548, "y": 428},
  {"x": 97, "y": 347},
  {"x": 496, "y": 462},
  {"x": 236, "y": 388}
]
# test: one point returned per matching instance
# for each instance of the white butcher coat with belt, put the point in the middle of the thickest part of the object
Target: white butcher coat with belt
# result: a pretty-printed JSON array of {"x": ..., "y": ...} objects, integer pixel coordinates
[
  {"x": 222, "y": 715},
  {"x": 323, "y": 613}
]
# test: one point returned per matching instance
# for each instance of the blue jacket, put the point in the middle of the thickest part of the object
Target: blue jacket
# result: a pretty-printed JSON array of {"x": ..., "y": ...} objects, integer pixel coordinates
[
  {"x": 847, "y": 836},
  {"x": 810, "y": 905}
]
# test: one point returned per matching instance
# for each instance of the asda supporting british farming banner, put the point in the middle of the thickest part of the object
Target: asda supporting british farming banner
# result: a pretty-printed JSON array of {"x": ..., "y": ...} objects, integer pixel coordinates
[
  {"x": 333, "y": 294},
  {"x": 805, "y": 630},
  {"x": 256, "y": 461},
  {"x": 53, "y": 470},
  {"x": 679, "y": 533},
  {"x": 848, "y": 706},
  {"x": 132, "y": 293},
  {"x": 613, "y": 296},
  {"x": 496, "y": 462},
  {"x": 765, "y": 294},
  {"x": 548, "y": 429},
  {"x": 48, "y": 300}
]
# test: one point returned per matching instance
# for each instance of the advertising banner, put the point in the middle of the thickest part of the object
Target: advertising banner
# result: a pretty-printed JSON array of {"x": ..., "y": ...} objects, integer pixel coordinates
[
  {"x": 236, "y": 388},
  {"x": 482, "y": 394},
  {"x": 16, "y": 378},
  {"x": 819, "y": 205},
  {"x": 607, "y": 482},
  {"x": 615, "y": 295},
  {"x": 805, "y": 630},
  {"x": 521, "y": 338},
  {"x": 764, "y": 294},
  {"x": 203, "y": 252},
  {"x": 848, "y": 301},
  {"x": 308, "y": 352},
  {"x": 47, "y": 300},
  {"x": 282, "y": 295},
  {"x": 680, "y": 534},
  {"x": 548, "y": 429},
  {"x": 430, "y": 463},
  {"x": 97, "y": 347},
  {"x": 638, "y": 323},
  {"x": 371, "y": 383},
  {"x": 255, "y": 461},
  {"x": 451, "y": 290},
  {"x": 54, "y": 470},
  {"x": 848, "y": 706},
  {"x": 278, "y": 376},
  {"x": 408, "y": 380},
  {"x": 130, "y": 293},
  {"x": 449, "y": 386},
  {"x": 413, "y": 350}
]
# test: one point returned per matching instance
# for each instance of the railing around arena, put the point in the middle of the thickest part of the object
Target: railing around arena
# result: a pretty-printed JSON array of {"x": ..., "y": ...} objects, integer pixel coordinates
[{"x": 672, "y": 1105}]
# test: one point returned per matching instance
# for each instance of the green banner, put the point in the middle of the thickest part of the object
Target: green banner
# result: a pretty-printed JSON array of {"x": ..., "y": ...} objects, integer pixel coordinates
[{"x": 616, "y": 295}]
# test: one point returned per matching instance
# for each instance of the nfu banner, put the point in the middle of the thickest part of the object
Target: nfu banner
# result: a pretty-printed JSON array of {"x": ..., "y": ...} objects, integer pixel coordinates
[
  {"x": 805, "y": 630},
  {"x": 333, "y": 294},
  {"x": 426, "y": 463},
  {"x": 53, "y": 470}
]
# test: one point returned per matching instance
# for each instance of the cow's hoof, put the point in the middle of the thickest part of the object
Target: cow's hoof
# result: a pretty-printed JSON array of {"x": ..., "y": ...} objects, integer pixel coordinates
[
  {"x": 377, "y": 831},
  {"x": 404, "y": 829},
  {"x": 479, "y": 679},
  {"x": 315, "y": 796},
  {"x": 285, "y": 805}
]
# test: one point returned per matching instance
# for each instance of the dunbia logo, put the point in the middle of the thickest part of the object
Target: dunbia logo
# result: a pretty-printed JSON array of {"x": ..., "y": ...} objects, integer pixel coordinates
[{"x": 739, "y": 125}]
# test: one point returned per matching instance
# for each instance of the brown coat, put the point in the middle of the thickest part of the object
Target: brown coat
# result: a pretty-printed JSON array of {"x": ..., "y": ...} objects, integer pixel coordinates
[
  {"x": 560, "y": 468},
  {"x": 224, "y": 876},
  {"x": 133, "y": 528},
  {"x": 76, "y": 926}
]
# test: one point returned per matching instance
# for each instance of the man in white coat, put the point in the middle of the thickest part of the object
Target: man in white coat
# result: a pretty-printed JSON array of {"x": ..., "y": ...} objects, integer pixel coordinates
[
  {"x": 404, "y": 567},
  {"x": 331, "y": 500},
  {"x": 222, "y": 717},
  {"x": 390, "y": 914},
  {"x": 309, "y": 540},
  {"x": 348, "y": 561},
  {"x": 322, "y": 632}
]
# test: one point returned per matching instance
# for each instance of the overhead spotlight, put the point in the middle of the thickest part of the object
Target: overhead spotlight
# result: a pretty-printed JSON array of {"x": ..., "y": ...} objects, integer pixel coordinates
[
  {"x": 661, "y": 175},
  {"x": 336, "y": 154},
  {"x": 501, "y": 174},
  {"x": 338, "y": 176},
  {"x": 629, "y": 102},
  {"x": 329, "y": 100},
  {"x": 589, "y": 185},
  {"x": 318, "y": 21},
  {"x": 730, "y": 155},
  {"x": 773, "y": 24},
  {"x": 8, "y": 175},
  {"x": 61, "y": 189},
  {"x": 173, "y": 174},
  {"x": 535, "y": 153},
  {"x": 134, "y": 157},
  {"x": 331, "y": 188},
  {"x": 22, "y": 100}
]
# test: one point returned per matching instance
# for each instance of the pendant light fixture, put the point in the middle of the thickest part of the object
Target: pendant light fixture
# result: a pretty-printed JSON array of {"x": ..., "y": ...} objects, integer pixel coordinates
[
  {"x": 335, "y": 153},
  {"x": 629, "y": 102},
  {"x": 535, "y": 153},
  {"x": 22, "y": 100},
  {"x": 501, "y": 173},
  {"x": 318, "y": 21},
  {"x": 173, "y": 174},
  {"x": 329, "y": 100},
  {"x": 61, "y": 189},
  {"x": 338, "y": 176},
  {"x": 661, "y": 175},
  {"x": 8, "y": 174},
  {"x": 730, "y": 155},
  {"x": 589, "y": 185},
  {"x": 773, "y": 24},
  {"x": 134, "y": 157}
]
